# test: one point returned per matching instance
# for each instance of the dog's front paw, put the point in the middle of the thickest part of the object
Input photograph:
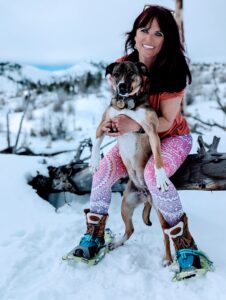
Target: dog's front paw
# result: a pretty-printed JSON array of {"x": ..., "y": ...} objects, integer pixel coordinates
[
  {"x": 94, "y": 162},
  {"x": 162, "y": 180}
]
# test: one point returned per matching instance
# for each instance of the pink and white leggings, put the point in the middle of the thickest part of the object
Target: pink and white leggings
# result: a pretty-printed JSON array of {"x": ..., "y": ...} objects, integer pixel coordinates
[{"x": 174, "y": 151}]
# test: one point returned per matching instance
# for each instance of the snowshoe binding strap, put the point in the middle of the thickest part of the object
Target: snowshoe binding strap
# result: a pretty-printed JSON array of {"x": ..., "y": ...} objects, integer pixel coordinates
[
  {"x": 88, "y": 247},
  {"x": 186, "y": 257}
]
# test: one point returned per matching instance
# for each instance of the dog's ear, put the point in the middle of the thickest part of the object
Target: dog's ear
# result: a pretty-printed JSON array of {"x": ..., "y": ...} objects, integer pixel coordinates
[
  {"x": 110, "y": 68},
  {"x": 142, "y": 68}
]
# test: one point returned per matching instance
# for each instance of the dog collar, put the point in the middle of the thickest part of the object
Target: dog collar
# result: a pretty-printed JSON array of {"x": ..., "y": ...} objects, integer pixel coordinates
[{"x": 126, "y": 102}]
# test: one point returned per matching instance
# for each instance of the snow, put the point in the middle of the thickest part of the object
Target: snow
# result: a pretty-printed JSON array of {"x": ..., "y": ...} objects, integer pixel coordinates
[
  {"x": 35, "y": 73},
  {"x": 7, "y": 85},
  {"x": 78, "y": 69},
  {"x": 34, "y": 237}
]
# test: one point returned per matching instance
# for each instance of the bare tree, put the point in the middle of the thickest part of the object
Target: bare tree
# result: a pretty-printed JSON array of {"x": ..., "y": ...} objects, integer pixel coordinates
[
  {"x": 27, "y": 98},
  {"x": 8, "y": 129},
  {"x": 221, "y": 107}
]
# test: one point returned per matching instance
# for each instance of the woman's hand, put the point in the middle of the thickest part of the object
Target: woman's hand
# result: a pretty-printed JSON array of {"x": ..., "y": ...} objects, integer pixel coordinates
[
  {"x": 121, "y": 125},
  {"x": 107, "y": 126}
]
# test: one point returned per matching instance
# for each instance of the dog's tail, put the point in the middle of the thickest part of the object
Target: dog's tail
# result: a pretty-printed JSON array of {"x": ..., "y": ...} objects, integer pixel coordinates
[{"x": 146, "y": 213}]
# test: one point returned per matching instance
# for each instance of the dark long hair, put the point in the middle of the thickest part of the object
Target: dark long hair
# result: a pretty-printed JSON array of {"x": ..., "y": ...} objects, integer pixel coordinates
[{"x": 170, "y": 72}]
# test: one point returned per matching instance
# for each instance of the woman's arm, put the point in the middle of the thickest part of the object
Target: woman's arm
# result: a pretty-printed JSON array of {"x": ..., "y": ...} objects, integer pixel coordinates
[{"x": 169, "y": 109}]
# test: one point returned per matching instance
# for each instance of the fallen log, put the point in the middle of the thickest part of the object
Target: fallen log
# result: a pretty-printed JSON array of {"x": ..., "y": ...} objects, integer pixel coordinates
[{"x": 205, "y": 170}]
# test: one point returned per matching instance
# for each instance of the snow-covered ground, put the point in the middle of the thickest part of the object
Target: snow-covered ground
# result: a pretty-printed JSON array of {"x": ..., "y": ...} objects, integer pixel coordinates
[{"x": 34, "y": 237}]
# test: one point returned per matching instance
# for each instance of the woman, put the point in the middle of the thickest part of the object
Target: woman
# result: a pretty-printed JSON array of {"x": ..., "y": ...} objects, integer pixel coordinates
[{"x": 154, "y": 40}]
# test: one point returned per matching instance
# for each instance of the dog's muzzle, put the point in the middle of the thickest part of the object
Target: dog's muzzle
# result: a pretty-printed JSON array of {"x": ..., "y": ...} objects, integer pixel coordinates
[{"x": 122, "y": 89}]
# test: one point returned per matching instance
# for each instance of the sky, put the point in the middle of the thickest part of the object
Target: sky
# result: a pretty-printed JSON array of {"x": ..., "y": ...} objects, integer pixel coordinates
[{"x": 64, "y": 32}]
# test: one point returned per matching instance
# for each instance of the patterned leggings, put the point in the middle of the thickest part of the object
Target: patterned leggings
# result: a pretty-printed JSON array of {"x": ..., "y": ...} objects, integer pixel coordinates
[{"x": 174, "y": 151}]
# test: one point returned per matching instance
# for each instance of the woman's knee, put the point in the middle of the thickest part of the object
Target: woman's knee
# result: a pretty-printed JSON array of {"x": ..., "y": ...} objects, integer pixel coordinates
[
  {"x": 108, "y": 162},
  {"x": 104, "y": 163},
  {"x": 111, "y": 169}
]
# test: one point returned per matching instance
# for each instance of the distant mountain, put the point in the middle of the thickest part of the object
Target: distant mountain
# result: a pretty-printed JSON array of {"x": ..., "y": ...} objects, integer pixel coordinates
[{"x": 15, "y": 77}]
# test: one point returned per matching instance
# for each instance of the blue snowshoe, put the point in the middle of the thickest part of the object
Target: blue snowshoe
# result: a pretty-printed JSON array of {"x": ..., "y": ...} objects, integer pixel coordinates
[
  {"x": 94, "y": 244},
  {"x": 189, "y": 261}
]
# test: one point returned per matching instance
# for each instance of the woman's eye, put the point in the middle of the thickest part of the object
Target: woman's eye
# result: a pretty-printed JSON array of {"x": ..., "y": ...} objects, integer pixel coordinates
[
  {"x": 158, "y": 33},
  {"x": 144, "y": 30}
]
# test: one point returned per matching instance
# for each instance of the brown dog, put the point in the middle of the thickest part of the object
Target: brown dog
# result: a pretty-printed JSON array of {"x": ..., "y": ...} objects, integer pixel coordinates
[{"x": 129, "y": 83}]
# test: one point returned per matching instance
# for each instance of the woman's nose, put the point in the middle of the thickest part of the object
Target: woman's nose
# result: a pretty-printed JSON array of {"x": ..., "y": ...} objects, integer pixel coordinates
[{"x": 150, "y": 37}]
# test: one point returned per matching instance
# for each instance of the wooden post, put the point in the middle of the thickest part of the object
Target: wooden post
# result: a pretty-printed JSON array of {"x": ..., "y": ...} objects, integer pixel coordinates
[{"x": 179, "y": 19}]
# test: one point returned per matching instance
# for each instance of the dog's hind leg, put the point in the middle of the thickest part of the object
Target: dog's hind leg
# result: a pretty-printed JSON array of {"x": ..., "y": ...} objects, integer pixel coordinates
[
  {"x": 146, "y": 213},
  {"x": 131, "y": 199},
  {"x": 127, "y": 210}
]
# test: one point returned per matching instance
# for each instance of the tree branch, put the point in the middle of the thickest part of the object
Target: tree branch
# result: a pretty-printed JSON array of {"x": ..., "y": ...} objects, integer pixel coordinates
[
  {"x": 214, "y": 124},
  {"x": 216, "y": 91}
]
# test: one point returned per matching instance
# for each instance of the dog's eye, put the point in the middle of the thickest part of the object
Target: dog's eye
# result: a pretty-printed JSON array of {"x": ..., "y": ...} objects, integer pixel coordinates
[
  {"x": 130, "y": 74},
  {"x": 116, "y": 74}
]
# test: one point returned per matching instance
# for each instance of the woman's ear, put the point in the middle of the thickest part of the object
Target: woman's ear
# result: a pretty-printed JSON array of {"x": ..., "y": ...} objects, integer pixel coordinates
[
  {"x": 142, "y": 68},
  {"x": 110, "y": 68}
]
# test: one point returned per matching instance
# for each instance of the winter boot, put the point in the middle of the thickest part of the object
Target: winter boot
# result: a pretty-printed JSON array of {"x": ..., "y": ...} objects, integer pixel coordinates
[
  {"x": 187, "y": 253},
  {"x": 93, "y": 240}
]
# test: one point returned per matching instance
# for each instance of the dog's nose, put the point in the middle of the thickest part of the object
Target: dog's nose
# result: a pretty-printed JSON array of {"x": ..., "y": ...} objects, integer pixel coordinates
[{"x": 122, "y": 88}]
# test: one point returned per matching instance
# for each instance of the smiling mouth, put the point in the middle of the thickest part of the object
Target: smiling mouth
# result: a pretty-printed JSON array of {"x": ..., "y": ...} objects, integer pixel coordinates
[{"x": 148, "y": 46}]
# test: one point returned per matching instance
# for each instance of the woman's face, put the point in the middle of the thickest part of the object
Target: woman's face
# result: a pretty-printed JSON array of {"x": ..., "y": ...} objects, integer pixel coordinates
[{"x": 149, "y": 41}]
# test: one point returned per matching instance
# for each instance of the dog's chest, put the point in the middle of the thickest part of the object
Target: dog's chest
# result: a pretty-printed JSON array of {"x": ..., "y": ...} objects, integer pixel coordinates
[
  {"x": 128, "y": 146},
  {"x": 128, "y": 143},
  {"x": 137, "y": 115}
]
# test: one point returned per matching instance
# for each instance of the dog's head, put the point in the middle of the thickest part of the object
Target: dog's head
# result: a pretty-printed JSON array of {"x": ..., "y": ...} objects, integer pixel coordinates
[{"x": 127, "y": 77}]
